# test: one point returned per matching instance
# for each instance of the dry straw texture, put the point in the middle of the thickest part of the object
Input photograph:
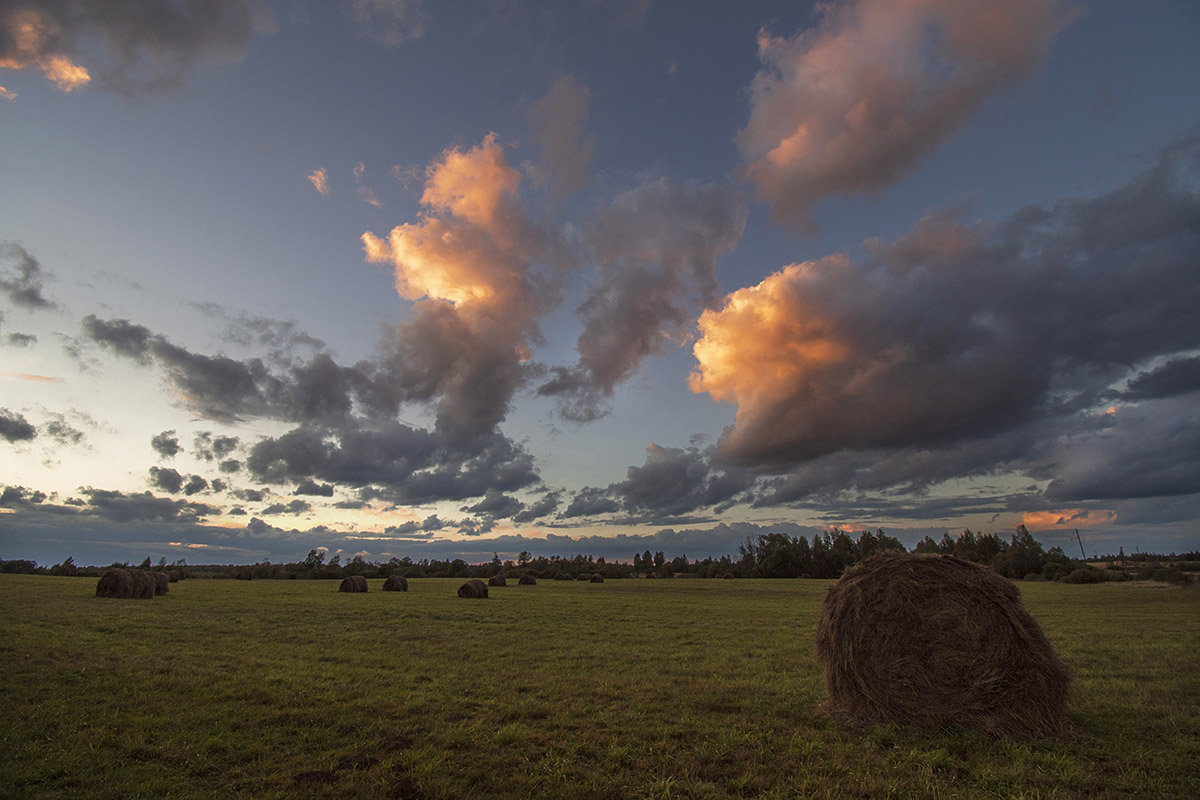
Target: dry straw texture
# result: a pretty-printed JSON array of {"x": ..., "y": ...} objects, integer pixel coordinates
[
  {"x": 527, "y": 580},
  {"x": 127, "y": 583},
  {"x": 353, "y": 583},
  {"x": 473, "y": 588},
  {"x": 395, "y": 583},
  {"x": 932, "y": 641},
  {"x": 497, "y": 580}
]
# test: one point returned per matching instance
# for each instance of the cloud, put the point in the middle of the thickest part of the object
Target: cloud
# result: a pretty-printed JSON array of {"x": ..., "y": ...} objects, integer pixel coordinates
[
  {"x": 389, "y": 22},
  {"x": 123, "y": 507},
  {"x": 851, "y": 105},
  {"x": 166, "y": 444},
  {"x": 320, "y": 180},
  {"x": 557, "y": 123},
  {"x": 14, "y": 427},
  {"x": 21, "y": 277},
  {"x": 126, "y": 47},
  {"x": 959, "y": 331},
  {"x": 167, "y": 479},
  {"x": 393, "y": 461},
  {"x": 655, "y": 249},
  {"x": 496, "y": 504},
  {"x": 7, "y": 94},
  {"x": 1175, "y": 377},
  {"x": 476, "y": 268}
]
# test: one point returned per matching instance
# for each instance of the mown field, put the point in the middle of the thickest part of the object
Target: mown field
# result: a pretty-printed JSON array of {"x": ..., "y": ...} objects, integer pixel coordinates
[{"x": 626, "y": 689}]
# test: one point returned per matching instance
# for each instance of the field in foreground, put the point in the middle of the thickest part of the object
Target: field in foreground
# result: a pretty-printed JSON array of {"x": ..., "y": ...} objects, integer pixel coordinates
[{"x": 633, "y": 688}]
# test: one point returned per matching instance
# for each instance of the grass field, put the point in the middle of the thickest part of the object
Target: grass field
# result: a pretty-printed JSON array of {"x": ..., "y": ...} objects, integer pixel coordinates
[{"x": 633, "y": 688}]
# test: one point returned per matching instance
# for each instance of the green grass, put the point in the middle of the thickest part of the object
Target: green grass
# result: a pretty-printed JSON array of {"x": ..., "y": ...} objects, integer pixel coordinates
[{"x": 637, "y": 689}]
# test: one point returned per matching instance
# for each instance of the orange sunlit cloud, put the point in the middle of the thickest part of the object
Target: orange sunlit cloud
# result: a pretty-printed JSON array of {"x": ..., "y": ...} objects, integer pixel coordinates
[
  {"x": 320, "y": 180},
  {"x": 25, "y": 376},
  {"x": 1066, "y": 518},
  {"x": 475, "y": 252},
  {"x": 31, "y": 33},
  {"x": 852, "y": 104}
]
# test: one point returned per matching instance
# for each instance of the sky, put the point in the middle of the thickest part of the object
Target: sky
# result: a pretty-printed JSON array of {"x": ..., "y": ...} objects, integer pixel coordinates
[{"x": 398, "y": 278}]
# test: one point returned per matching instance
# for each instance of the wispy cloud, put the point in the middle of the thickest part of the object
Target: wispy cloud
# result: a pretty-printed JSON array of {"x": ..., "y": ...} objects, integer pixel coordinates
[
  {"x": 851, "y": 105},
  {"x": 319, "y": 180}
]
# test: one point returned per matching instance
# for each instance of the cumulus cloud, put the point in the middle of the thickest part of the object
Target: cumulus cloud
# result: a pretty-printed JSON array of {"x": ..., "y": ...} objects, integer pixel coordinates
[
  {"x": 14, "y": 427},
  {"x": 389, "y": 22},
  {"x": 656, "y": 249},
  {"x": 128, "y": 46},
  {"x": 960, "y": 331},
  {"x": 167, "y": 479},
  {"x": 477, "y": 269},
  {"x": 557, "y": 122},
  {"x": 852, "y": 104},
  {"x": 21, "y": 277},
  {"x": 123, "y": 507},
  {"x": 166, "y": 444}
]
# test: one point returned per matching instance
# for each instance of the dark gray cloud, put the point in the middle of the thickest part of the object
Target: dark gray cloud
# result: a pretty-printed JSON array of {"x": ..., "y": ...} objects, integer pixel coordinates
[
  {"x": 974, "y": 329},
  {"x": 392, "y": 461},
  {"x": 655, "y": 250},
  {"x": 497, "y": 505},
  {"x": 230, "y": 466},
  {"x": 122, "y": 507},
  {"x": 166, "y": 444},
  {"x": 14, "y": 427},
  {"x": 213, "y": 448},
  {"x": 127, "y": 46},
  {"x": 314, "y": 489},
  {"x": 293, "y": 507},
  {"x": 590, "y": 501},
  {"x": 21, "y": 276},
  {"x": 166, "y": 479},
  {"x": 195, "y": 484},
  {"x": 543, "y": 507},
  {"x": 1175, "y": 377}
]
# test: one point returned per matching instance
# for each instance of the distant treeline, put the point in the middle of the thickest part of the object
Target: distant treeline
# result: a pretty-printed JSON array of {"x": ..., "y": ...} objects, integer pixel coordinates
[{"x": 770, "y": 555}]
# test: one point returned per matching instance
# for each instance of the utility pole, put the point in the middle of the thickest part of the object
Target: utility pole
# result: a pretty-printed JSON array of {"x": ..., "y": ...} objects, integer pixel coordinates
[{"x": 1080, "y": 540}]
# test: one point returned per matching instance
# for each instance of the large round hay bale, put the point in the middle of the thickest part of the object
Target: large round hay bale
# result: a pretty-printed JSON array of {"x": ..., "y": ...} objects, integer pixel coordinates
[
  {"x": 115, "y": 583},
  {"x": 497, "y": 580},
  {"x": 931, "y": 640},
  {"x": 160, "y": 582},
  {"x": 583, "y": 576},
  {"x": 395, "y": 583},
  {"x": 597, "y": 578},
  {"x": 563, "y": 576},
  {"x": 527, "y": 580},
  {"x": 353, "y": 583},
  {"x": 144, "y": 584},
  {"x": 473, "y": 588}
]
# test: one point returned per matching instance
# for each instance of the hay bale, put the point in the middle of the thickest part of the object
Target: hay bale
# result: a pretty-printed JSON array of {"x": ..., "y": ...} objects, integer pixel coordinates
[
  {"x": 932, "y": 640},
  {"x": 115, "y": 583},
  {"x": 497, "y": 580},
  {"x": 160, "y": 582},
  {"x": 174, "y": 576},
  {"x": 244, "y": 575},
  {"x": 396, "y": 583},
  {"x": 144, "y": 584},
  {"x": 473, "y": 588},
  {"x": 353, "y": 583},
  {"x": 583, "y": 576},
  {"x": 527, "y": 580},
  {"x": 563, "y": 576},
  {"x": 597, "y": 578}
]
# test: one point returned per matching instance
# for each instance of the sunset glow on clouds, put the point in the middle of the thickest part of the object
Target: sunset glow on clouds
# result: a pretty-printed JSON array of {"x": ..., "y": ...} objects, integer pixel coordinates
[
  {"x": 853, "y": 104},
  {"x": 595, "y": 277}
]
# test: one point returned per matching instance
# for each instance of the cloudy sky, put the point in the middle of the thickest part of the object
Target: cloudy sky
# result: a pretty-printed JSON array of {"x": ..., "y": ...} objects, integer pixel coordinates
[{"x": 421, "y": 279}]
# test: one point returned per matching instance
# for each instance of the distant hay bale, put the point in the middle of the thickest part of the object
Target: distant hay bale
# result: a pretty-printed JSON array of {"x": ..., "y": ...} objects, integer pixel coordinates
[
  {"x": 583, "y": 576},
  {"x": 244, "y": 575},
  {"x": 127, "y": 584},
  {"x": 497, "y": 580},
  {"x": 597, "y": 578},
  {"x": 473, "y": 588},
  {"x": 728, "y": 576},
  {"x": 174, "y": 576},
  {"x": 527, "y": 580},
  {"x": 396, "y": 583},
  {"x": 932, "y": 640},
  {"x": 353, "y": 583},
  {"x": 160, "y": 582},
  {"x": 563, "y": 576}
]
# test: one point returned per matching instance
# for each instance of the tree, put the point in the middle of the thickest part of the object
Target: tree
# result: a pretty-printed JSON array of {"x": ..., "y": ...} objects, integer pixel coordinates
[
  {"x": 523, "y": 558},
  {"x": 315, "y": 559}
]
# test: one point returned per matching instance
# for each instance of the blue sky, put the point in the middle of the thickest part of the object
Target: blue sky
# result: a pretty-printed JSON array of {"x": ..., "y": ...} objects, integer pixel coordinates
[{"x": 445, "y": 279}]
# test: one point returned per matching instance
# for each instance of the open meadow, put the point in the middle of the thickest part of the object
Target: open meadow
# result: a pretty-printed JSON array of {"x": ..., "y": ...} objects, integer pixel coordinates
[{"x": 678, "y": 688}]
